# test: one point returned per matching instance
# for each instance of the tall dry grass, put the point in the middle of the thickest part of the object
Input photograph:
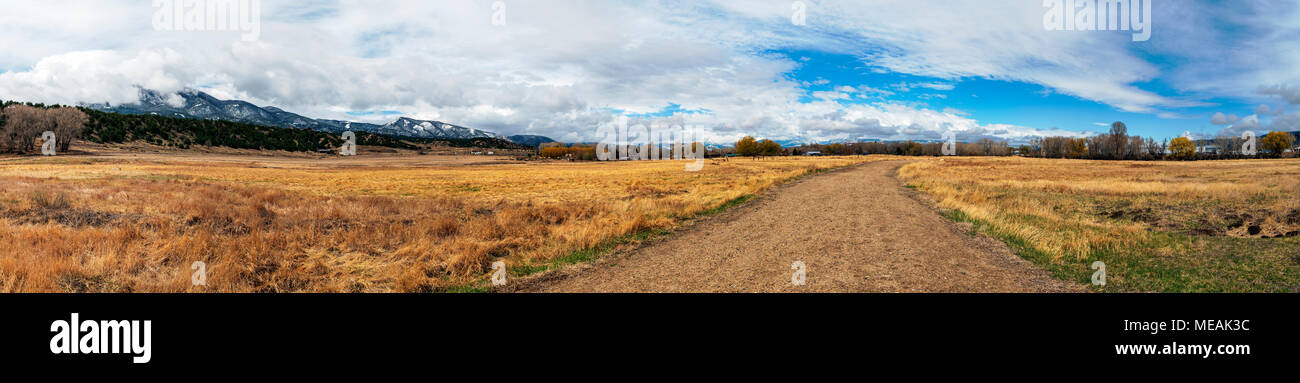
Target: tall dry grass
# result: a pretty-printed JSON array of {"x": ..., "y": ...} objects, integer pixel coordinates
[{"x": 136, "y": 224}]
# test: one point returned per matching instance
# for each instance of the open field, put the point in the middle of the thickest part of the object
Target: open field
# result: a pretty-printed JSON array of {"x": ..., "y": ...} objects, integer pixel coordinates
[
  {"x": 1158, "y": 226},
  {"x": 124, "y": 222},
  {"x": 116, "y": 221},
  {"x": 865, "y": 233}
]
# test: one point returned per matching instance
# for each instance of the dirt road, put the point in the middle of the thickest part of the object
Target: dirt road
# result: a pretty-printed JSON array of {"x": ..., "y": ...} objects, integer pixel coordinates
[{"x": 856, "y": 230}]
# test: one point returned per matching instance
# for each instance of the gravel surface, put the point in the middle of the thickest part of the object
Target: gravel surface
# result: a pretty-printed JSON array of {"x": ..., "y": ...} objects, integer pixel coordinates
[{"x": 856, "y": 230}]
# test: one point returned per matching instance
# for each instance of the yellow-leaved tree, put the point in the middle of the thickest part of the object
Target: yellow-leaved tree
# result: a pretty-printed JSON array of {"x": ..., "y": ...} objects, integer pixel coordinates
[
  {"x": 768, "y": 147},
  {"x": 747, "y": 146},
  {"x": 1277, "y": 143},
  {"x": 1182, "y": 148}
]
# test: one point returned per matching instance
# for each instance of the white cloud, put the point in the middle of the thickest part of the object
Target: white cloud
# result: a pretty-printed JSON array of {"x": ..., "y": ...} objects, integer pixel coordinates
[
  {"x": 1228, "y": 48},
  {"x": 1289, "y": 93},
  {"x": 1286, "y": 123},
  {"x": 869, "y": 91},
  {"x": 97, "y": 76},
  {"x": 830, "y": 95},
  {"x": 1222, "y": 119},
  {"x": 1249, "y": 123},
  {"x": 936, "y": 86}
]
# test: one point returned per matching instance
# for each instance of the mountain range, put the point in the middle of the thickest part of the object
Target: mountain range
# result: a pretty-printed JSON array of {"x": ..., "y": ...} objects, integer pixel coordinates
[{"x": 199, "y": 105}]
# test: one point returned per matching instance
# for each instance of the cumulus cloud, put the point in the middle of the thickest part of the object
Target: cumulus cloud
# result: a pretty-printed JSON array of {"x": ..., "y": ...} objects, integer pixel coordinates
[
  {"x": 1249, "y": 123},
  {"x": 1222, "y": 119},
  {"x": 97, "y": 76},
  {"x": 1286, "y": 123},
  {"x": 1287, "y": 92}
]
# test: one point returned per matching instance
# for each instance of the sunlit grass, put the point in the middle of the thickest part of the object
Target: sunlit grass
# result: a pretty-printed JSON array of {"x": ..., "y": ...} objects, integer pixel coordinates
[
  {"x": 137, "y": 223},
  {"x": 1159, "y": 226}
]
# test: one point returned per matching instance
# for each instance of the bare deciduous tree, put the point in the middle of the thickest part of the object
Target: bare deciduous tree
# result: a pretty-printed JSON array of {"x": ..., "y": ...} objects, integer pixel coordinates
[
  {"x": 24, "y": 124},
  {"x": 69, "y": 123}
]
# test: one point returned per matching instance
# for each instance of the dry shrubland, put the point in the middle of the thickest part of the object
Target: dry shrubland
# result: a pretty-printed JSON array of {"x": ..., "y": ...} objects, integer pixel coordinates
[{"x": 137, "y": 223}]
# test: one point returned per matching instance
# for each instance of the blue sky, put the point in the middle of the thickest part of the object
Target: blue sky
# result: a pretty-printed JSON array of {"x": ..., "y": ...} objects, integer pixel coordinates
[
  {"x": 843, "y": 70},
  {"x": 1010, "y": 102}
]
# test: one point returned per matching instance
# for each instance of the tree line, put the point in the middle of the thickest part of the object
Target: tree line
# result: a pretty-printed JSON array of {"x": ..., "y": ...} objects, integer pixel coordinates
[
  {"x": 751, "y": 147},
  {"x": 1117, "y": 144},
  {"x": 576, "y": 152}
]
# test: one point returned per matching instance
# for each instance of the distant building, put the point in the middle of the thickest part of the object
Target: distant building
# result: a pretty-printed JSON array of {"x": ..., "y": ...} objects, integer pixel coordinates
[{"x": 813, "y": 153}]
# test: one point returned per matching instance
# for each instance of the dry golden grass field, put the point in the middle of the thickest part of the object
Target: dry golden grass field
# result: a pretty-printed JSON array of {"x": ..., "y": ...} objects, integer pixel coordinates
[
  {"x": 121, "y": 222},
  {"x": 1206, "y": 226}
]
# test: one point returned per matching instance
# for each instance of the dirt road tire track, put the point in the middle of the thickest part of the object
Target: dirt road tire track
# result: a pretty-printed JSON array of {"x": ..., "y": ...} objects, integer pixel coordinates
[{"x": 857, "y": 230}]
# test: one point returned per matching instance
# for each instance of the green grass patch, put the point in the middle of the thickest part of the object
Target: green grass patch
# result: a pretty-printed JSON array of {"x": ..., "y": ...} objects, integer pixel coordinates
[{"x": 1202, "y": 264}]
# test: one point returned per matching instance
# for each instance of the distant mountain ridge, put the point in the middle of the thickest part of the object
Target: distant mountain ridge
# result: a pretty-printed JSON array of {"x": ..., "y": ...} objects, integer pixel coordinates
[
  {"x": 195, "y": 104},
  {"x": 530, "y": 140}
]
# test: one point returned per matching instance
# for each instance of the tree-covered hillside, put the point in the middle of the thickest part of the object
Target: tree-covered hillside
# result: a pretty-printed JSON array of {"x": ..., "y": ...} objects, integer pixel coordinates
[{"x": 182, "y": 133}]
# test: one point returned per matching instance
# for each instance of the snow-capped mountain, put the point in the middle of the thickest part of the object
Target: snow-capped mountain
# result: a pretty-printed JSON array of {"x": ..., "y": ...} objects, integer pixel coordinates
[
  {"x": 410, "y": 127},
  {"x": 193, "y": 104},
  {"x": 199, "y": 105}
]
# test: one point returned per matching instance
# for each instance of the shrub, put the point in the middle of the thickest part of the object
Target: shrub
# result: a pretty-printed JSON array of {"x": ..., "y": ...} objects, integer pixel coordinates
[
  {"x": 42, "y": 199},
  {"x": 1277, "y": 143},
  {"x": 1181, "y": 149},
  {"x": 577, "y": 152},
  {"x": 748, "y": 147}
]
